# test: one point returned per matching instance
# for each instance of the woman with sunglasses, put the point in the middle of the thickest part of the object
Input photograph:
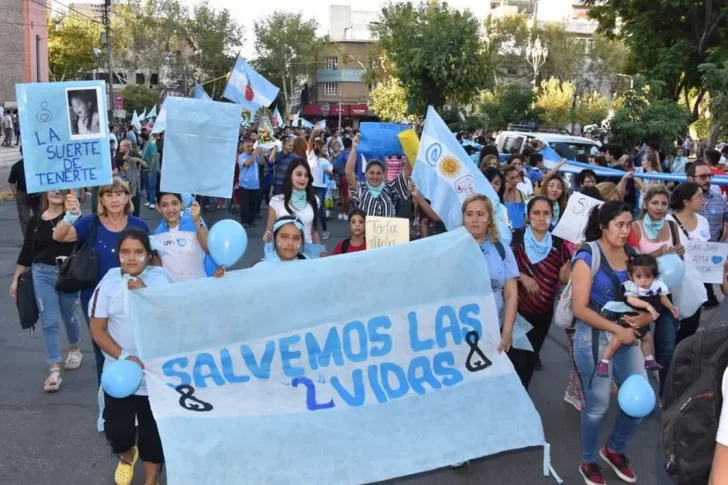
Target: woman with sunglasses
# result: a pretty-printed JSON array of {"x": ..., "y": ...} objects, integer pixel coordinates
[{"x": 41, "y": 254}]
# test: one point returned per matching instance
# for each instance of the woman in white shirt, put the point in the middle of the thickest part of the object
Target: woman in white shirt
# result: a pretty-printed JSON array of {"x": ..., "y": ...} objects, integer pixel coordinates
[
  {"x": 297, "y": 200},
  {"x": 686, "y": 200},
  {"x": 321, "y": 169},
  {"x": 113, "y": 333}
]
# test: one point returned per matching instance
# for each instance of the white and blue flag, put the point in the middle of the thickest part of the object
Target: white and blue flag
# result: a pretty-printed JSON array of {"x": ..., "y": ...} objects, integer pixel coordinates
[
  {"x": 248, "y": 88},
  {"x": 199, "y": 93},
  {"x": 446, "y": 176}
]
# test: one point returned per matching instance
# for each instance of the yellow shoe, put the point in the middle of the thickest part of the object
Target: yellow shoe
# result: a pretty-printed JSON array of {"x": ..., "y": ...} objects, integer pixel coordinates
[{"x": 124, "y": 471}]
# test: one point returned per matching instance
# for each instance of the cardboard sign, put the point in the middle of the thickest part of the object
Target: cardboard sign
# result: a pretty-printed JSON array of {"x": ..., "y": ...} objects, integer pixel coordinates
[
  {"x": 382, "y": 232},
  {"x": 380, "y": 140},
  {"x": 708, "y": 258},
  {"x": 573, "y": 221},
  {"x": 65, "y": 135}
]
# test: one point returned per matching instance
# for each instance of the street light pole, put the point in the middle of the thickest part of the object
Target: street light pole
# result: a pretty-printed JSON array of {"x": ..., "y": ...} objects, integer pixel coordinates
[
  {"x": 106, "y": 17},
  {"x": 97, "y": 54},
  {"x": 536, "y": 54}
]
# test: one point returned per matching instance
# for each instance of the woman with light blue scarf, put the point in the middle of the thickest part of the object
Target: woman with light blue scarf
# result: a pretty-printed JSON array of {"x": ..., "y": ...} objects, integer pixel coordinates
[{"x": 288, "y": 242}]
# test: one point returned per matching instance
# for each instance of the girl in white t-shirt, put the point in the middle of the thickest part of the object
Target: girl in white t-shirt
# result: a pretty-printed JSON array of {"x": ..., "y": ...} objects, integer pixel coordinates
[
  {"x": 111, "y": 330},
  {"x": 297, "y": 200},
  {"x": 181, "y": 240},
  {"x": 686, "y": 200},
  {"x": 322, "y": 170}
]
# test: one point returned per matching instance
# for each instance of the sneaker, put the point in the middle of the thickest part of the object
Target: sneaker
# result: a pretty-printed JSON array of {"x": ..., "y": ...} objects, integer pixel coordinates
[
  {"x": 592, "y": 474},
  {"x": 147, "y": 204},
  {"x": 619, "y": 463},
  {"x": 53, "y": 381},
  {"x": 573, "y": 400},
  {"x": 152, "y": 206},
  {"x": 325, "y": 235},
  {"x": 652, "y": 364},
  {"x": 73, "y": 360},
  {"x": 342, "y": 217},
  {"x": 603, "y": 369}
]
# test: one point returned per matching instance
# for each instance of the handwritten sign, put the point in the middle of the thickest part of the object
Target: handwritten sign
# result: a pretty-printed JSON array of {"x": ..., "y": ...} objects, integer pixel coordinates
[
  {"x": 573, "y": 221},
  {"x": 708, "y": 258},
  {"x": 380, "y": 140},
  {"x": 382, "y": 232},
  {"x": 65, "y": 135},
  {"x": 349, "y": 382}
]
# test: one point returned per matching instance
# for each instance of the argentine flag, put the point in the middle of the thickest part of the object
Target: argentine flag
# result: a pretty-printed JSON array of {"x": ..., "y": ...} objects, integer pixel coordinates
[
  {"x": 445, "y": 175},
  {"x": 160, "y": 124},
  {"x": 277, "y": 119},
  {"x": 152, "y": 113},
  {"x": 248, "y": 88},
  {"x": 199, "y": 93}
]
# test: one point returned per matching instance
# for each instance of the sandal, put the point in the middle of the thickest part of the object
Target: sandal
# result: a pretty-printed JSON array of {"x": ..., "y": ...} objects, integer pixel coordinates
[
  {"x": 125, "y": 471},
  {"x": 53, "y": 381},
  {"x": 73, "y": 360}
]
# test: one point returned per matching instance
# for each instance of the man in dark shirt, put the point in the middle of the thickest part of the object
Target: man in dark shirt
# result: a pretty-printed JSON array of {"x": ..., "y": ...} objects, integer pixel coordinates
[{"x": 26, "y": 203}]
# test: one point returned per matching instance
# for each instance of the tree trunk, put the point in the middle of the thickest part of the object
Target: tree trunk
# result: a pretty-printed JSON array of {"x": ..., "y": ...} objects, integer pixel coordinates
[{"x": 713, "y": 132}]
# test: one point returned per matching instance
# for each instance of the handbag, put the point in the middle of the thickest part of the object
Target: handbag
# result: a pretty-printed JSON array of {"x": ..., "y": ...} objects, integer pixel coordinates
[
  {"x": 25, "y": 294},
  {"x": 80, "y": 270}
]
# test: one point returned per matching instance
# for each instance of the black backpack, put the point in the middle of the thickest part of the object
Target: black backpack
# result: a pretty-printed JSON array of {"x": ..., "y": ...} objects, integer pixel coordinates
[{"x": 691, "y": 405}]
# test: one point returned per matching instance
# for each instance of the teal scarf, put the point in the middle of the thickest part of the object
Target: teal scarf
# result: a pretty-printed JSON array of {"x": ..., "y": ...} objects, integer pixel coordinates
[
  {"x": 536, "y": 250},
  {"x": 299, "y": 199},
  {"x": 375, "y": 190},
  {"x": 652, "y": 228}
]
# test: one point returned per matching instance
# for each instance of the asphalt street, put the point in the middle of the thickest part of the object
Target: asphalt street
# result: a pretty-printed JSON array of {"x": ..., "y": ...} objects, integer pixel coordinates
[{"x": 51, "y": 438}]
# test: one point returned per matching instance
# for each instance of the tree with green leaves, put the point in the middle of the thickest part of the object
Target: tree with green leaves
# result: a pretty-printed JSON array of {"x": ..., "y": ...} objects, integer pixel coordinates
[
  {"x": 139, "y": 98},
  {"x": 287, "y": 48},
  {"x": 591, "y": 109},
  {"x": 715, "y": 80},
  {"x": 436, "y": 51},
  {"x": 505, "y": 40},
  {"x": 70, "y": 42},
  {"x": 388, "y": 100},
  {"x": 147, "y": 34},
  {"x": 566, "y": 52},
  {"x": 215, "y": 35},
  {"x": 605, "y": 59},
  {"x": 506, "y": 104},
  {"x": 556, "y": 99},
  {"x": 643, "y": 114},
  {"x": 668, "y": 40}
]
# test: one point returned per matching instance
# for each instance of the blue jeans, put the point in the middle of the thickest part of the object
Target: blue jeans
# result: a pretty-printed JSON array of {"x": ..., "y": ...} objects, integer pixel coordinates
[
  {"x": 150, "y": 184},
  {"x": 665, "y": 343},
  {"x": 597, "y": 390},
  {"x": 98, "y": 356},
  {"x": 53, "y": 307},
  {"x": 321, "y": 194}
]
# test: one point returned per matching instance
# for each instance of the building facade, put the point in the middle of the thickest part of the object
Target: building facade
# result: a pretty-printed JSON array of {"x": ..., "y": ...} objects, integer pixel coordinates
[
  {"x": 339, "y": 90},
  {"x": 23, "y": 46}
]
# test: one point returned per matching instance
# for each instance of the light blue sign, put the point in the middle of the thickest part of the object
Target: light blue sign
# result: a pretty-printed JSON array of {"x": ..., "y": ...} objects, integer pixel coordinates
[
  {"x": 380, "y": 140},
  {"x": 340, "y": 75},
  {"x": 402, "y": 372},
  {"x": 200, "y": 146},
  {"x": 65, "y": 135}
]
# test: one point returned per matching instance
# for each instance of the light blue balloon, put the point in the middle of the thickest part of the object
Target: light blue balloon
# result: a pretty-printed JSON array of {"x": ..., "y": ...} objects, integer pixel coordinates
[
  {"x": 636, "y": 397},
  {"x": 672, "y": 270},
  {"x": 227, "y": 242},
  {"x": 187, "y": 199},
  {"x": 121, "y": 379}
]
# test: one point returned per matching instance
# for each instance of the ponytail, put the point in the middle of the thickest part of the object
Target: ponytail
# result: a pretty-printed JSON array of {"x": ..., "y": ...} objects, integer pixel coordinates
[{"x": 601, "y": 216}]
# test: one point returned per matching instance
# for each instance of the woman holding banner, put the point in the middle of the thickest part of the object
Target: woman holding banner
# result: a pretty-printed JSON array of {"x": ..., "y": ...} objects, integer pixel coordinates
[
  {"x": 376, "y": 197},
  {"x": 543, "y": 263},
  {"x": 608, "y": 226},
  {"x": 100, "y": 232}
]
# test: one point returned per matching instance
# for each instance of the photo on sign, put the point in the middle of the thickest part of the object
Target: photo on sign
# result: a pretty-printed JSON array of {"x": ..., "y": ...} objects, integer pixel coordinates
[{"x": 84, "y": 118}]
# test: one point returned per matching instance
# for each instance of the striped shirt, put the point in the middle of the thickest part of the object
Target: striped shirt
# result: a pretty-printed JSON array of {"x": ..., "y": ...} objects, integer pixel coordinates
[
  {"x": 716, "y": 211},
  {"x": 546, "y": 274},
  {"x": 384, "y": 205}
]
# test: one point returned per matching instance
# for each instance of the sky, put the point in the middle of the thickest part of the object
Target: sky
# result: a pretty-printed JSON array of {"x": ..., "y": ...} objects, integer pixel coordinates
[{"x": 319, "y": 9}]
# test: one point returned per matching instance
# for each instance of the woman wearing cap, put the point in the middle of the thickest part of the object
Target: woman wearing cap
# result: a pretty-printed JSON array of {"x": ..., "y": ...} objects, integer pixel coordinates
[
  {"x": 287, "y": 244},
  {"x": 376, "y": 197}
]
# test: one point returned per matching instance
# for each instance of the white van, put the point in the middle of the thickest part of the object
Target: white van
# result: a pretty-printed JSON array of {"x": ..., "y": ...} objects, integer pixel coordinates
[{"x": 569, "y": 145}]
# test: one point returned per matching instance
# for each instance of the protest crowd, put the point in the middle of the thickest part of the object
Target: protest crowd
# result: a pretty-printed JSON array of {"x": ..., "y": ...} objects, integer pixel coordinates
[{"x": 620, "y": 279}]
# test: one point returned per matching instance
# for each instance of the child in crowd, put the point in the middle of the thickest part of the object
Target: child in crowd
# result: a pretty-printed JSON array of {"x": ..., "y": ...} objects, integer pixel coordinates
[
  {"x": 357, "y": 239},
  {"x": 181, "y": 240},
  {"x": 643, "y": 290}
]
